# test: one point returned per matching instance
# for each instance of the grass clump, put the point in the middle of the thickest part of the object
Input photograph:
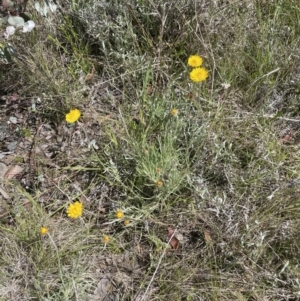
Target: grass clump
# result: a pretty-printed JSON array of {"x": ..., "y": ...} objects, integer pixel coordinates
[{"x": 140, "y": 180}]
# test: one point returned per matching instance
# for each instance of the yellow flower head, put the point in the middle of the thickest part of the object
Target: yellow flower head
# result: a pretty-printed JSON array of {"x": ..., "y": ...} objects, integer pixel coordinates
[
  {"x": 106, "y": 239},
  {"x": 44, "y": 230},
  {"x": 195, "y": 61},
  {"x": 174, "y": 112},
  {"x": 75, "y": 210},
  {"x": 159, "y": 183},
  {"x": 198, "y": 74},
  {"x": 126, "y": 222},
  {"x": 73, "y": 116},
  {"x": 119, "y": 214}
]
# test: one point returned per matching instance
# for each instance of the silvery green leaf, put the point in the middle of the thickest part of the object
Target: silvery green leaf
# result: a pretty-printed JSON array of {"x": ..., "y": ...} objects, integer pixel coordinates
[
  {"x": 9, "y": 31},
  {"x": 33, "y": 106},
  {"x": 13, "y": 119},
  {"x": 37, "y": 6},
  {"x": 93, "y": 144},
  {"x": 45, "y": 12},
  {"x": 2, "y": 54},
  {"x": 28, "y": 26},
  {"x": 11, "y": 50},
  {"x": 7, "y": 55},
  {"x": 52, "y": 6},
  {"x": 15, "y": 21}
]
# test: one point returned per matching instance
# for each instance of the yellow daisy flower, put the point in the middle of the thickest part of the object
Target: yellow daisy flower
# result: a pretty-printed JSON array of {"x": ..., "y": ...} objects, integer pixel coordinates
[
  {"x": 174, "y": 112},
  {"x": 73, "y": 116},
  {"x": 106, "y": 239},
  {"x": 195, "y": 61},
  {"x": 75, "y": 210},
  {"x": 198, "y": 74},
  {"x": 159, "y": 183},
  {"x": 119, "y": 214},
  {"x": 44, "y": 230}
]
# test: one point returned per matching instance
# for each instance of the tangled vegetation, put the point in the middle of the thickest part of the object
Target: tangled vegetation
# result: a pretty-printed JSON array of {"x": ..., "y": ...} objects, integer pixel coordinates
[{"x": 149, "y": 150}]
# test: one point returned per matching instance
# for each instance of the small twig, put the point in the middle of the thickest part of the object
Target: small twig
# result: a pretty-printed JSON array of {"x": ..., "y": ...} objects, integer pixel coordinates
[
  {"x": 32, "y": 157},
  {"x": 265, "y": 75},
  {"x": 58, "y": 259},
  {"x": 157, "y": 267},
  {"x": 266, "y": 116},
  {"x": 75, "y": 290},
  {"x": 282, "y": 118}
]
